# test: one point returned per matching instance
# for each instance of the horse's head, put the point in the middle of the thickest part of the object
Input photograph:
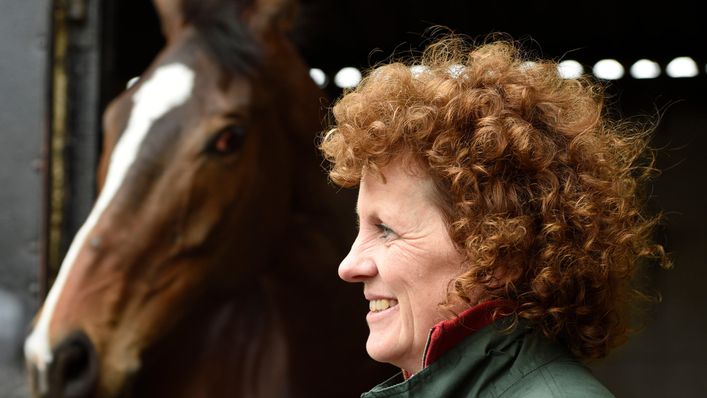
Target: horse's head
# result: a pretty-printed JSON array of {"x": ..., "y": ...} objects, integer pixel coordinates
[{"x": 193, "y": 151}]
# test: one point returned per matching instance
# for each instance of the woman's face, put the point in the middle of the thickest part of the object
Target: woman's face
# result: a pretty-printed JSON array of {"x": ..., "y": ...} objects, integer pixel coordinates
[{"x": 405, "y": 259}]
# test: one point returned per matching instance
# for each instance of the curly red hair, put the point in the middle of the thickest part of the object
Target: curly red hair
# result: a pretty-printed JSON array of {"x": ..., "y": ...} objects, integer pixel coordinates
[{"x": 536, "y": 183}]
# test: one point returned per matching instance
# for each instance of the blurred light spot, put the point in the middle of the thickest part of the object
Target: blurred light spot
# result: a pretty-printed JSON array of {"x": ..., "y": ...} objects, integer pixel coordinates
[
  {"x": 682, "y": 67},
  {"x": 318, "y": 76},
  {"x": 132, "y": 82},
  {"x": 12, "y": 324},
  {"x": 348, "y": 77},
  {"x": 645, "y": 69},
  {"x": 608, "y": 69},
  {"x": 570, "y": 69}
]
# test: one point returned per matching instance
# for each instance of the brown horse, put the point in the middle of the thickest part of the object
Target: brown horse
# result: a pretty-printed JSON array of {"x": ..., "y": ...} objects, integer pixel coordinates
[{"x": 207, "y": 267}]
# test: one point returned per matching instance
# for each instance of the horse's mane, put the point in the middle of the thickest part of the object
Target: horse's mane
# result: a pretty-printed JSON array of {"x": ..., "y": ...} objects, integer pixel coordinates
[{"x": 226, "y": 37}]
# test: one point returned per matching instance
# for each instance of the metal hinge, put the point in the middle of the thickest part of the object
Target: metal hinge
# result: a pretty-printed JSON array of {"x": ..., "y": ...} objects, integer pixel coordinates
[{"x": 76, "y": 10}]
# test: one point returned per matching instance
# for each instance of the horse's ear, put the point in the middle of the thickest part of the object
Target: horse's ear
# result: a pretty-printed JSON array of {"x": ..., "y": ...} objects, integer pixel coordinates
[
  {"x": 171, "y": 17},
  {"x": 265, "y": 15}
]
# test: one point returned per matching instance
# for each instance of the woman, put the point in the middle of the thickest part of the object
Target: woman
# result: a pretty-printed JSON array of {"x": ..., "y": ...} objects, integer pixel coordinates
[{"x": 500, "y": 222}]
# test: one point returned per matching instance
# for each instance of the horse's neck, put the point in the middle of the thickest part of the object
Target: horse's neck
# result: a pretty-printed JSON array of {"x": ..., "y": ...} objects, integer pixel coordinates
[
  {"x": 323, "y": 315},
  {"x": 275, "y": 337},
  {"x": 233, "y": 346},
  {"x": 324, "y": 208},
  {"x": 247, "y": 348}
]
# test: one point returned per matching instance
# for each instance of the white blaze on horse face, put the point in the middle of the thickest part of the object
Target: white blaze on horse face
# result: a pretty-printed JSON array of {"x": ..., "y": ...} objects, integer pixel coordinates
[{"x": 168, "y": 87}]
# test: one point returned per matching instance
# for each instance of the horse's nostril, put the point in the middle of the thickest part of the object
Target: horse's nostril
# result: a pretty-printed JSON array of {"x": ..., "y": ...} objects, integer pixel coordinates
[{"x": 74, "y": 370}]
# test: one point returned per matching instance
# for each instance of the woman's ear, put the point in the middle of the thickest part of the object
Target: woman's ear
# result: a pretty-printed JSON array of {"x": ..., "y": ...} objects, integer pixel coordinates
[{"x": 505, "y": 275}]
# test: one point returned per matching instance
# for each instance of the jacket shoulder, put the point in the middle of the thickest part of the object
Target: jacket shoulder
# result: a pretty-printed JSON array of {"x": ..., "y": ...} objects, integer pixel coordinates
[{"x": 562, "y": 377}]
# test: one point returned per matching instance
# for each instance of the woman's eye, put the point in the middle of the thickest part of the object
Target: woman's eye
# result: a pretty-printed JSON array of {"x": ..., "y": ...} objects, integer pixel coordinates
[
  {"x": 385, "y": 231},
  {"x": 228, "y": 140}
]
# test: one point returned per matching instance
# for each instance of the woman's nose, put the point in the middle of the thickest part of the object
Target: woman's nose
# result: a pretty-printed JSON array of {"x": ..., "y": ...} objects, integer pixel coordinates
[{"x": 356, "y": 266}]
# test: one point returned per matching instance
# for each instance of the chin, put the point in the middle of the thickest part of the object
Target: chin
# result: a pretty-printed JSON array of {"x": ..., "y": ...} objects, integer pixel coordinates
[{"x": 382, "y": 349}]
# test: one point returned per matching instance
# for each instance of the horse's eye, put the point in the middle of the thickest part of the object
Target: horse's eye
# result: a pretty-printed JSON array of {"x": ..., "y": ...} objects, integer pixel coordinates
[{"x": 228, "y": 140}]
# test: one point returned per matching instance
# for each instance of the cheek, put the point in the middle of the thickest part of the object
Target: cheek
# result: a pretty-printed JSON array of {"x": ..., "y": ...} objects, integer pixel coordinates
[
  {"x": 422, "y": 273},
  {"x": 430, "y": 279},
  {"x": 400, "y": 270}
]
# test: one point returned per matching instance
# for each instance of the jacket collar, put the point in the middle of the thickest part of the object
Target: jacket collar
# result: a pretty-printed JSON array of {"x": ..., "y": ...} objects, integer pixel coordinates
[{"x": 449, "y": 333}]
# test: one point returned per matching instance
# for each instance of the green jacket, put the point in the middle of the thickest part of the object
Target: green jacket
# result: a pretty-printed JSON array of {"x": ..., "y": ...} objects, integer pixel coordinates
[{"x": 490, "y": 363}]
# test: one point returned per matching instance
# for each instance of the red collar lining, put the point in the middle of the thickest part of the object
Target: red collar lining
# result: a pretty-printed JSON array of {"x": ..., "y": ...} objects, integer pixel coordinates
[{"x": 447, "y": 334}]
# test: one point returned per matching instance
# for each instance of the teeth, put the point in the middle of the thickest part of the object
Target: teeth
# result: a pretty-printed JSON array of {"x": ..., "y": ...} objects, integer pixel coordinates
[{"x": 380, "y": 305}]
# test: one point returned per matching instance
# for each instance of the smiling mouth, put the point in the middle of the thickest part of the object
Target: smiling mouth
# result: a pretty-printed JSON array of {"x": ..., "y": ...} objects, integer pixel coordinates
[{"x": 381, "y": 305}]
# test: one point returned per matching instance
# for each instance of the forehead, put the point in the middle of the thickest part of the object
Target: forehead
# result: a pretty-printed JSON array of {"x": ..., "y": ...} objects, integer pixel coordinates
[{"x": 396, "y": 184}]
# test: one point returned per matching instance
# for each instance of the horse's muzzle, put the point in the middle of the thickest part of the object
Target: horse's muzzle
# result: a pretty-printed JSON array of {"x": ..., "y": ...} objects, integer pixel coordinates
[{"x": 74, "y": 371}]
